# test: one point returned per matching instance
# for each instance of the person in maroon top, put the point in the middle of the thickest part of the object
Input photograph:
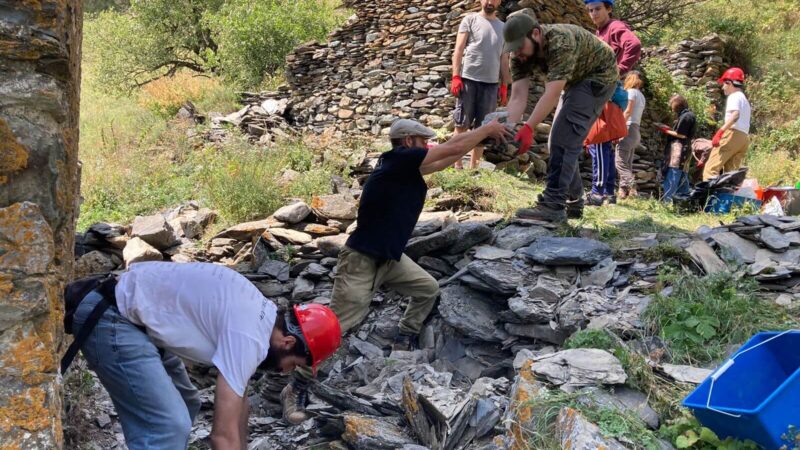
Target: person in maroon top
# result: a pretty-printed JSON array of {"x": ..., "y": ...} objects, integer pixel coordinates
[
  {"x": 628, "y": 50},
  {"x": 616, "y": 34}
]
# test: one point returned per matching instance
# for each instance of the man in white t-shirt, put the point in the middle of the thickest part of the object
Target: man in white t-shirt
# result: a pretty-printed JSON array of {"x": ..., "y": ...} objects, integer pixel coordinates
[
  {"x": 731, "y": 141},
  {"x": 162, "y": 314},
  {"x": 479, "y": 64}
]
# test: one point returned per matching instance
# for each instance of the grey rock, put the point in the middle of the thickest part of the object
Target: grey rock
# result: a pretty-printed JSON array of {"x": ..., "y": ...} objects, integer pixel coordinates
[
  {"x": 330, "y": 245},
  {"x": 703, "y": 255},
  {"x": 292, "y": 213},
  {"x": 686, "y": 374},
  {"x": 137, "y": 250},
  {"x": 469, "y": 235},
  {"x": 542, "y": 332},
  {"x": 575, "y": 368},
  {"x": 600, "y": 274},
  {"x": 103, "y": 420},
  {"x": 577, "y": 433},
  {"x": 154, "y": 230},
  {"x": 623, "y": 399},
  {"x": 558, "y": 251},
  {"x": 471, "y": 313},
  {"x": 513, "y": 237},
  {"x": 774, "y": 239},
  {"x": 373, "y": 433},
  {"x": 504, "y": 276},
  {"x": 314, "y": 271},
  {"x": 335, "y": 206},
  {"x": 303, "y": 290},
  {"x": 278, "y": 270},
  {"x": 366, "y": 349},
  {"x": 272, "y": 289},
  {"x": 436, "y": 264},
  {"x": 92, "y": 263},
  {"x": 536, "y": 304},
  {"x": 431, "y": 222},
  {"x": 287, "y": 235},
  {"x": 424, "y": 245},
  {"x": 491, "y": 253},
  {"x": 734, "y": 248}
]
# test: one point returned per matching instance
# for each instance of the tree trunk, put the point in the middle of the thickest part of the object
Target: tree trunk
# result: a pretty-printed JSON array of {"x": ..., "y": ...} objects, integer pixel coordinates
[{"x": 40, "y": 43}]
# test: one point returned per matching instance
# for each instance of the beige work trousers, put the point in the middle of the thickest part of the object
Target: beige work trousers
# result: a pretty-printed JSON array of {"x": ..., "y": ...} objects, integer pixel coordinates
[{"x": 728, "y": 156}]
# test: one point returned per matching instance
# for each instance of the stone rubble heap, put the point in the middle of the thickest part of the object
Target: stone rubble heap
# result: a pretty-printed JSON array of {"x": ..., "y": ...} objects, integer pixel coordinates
[
  {"x": 700, "y": 62},
  {"x": 768, "y": 247}
]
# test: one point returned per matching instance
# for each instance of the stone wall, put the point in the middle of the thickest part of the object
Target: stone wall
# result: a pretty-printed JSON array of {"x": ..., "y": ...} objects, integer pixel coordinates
[
  {"x": 40, "y": 45},
  {"x": 392, "y": 59}
]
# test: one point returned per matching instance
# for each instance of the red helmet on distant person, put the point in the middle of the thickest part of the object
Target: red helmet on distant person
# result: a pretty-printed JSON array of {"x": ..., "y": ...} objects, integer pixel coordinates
[
  {"x": 321, "y": 331},
  {"x": 732, "y": 74}
]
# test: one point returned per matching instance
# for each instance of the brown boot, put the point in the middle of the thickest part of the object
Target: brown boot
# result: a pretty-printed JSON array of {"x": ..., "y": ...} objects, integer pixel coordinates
[
  {"x": 632, "y": 193},
  {"x": 622, "y": 193},
  {"x": 293, "y": 402}
]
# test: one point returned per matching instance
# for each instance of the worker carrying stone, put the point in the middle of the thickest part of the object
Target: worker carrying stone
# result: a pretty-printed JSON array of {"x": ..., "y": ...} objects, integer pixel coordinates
[
  {"x": 138, "y": 329},
  {"x": 390, "y": 204},
  {"x": 731, "y": 140},
  {"x": 572, "y": 59},
  {"x": 479, "y": 64}
]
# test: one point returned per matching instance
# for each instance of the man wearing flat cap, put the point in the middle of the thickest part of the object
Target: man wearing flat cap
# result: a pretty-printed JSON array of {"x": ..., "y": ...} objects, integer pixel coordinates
[
  {"x": 390, "y": 204},
  {"x": 576, "y": 62}
]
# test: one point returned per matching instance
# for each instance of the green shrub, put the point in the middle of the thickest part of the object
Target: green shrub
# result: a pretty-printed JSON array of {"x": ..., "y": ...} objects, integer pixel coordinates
[
  {"x": 662, "y": 85},
  {"x": 704, "y": 316},
  {"x": 686, "y": 432},
  {"x": 255, "y": 36},
  {"x": 486, "y": 190},
  {"x": 591, "y": 339}
]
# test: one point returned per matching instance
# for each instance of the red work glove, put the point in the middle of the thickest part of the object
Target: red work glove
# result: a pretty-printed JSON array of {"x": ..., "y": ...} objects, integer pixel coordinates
[
  {"x": 717, "y": 138},
  {"x": 664, "y": 129},
  {"x": 502, "y": 92},
  {"x": 456, "y": 85},
  {"x": 525, "y": 138}
]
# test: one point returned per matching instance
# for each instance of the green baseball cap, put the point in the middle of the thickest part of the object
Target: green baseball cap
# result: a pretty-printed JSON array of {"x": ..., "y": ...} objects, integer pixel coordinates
[{"x": 518, "y": 25}]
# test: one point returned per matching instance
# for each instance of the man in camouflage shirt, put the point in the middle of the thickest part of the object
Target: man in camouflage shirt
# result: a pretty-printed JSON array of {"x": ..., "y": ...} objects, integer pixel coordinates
[{"x": 571, "y": 59}]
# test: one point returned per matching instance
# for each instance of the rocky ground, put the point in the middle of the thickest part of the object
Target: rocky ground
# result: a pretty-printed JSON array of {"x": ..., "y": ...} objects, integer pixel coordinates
[{"x": 512, "y": 293}]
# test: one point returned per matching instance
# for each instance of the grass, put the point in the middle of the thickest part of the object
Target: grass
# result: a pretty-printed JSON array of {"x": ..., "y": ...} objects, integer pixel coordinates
[
  {"x": 702, "y": 319},
  {"x": 487, "y": 190}
]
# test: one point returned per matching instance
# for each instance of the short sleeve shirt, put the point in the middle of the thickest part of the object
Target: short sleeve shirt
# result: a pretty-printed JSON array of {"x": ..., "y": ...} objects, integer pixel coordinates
[
  {"x": 485, "y": 41},
  {"x": 738, "y": 102},
  {"x": 392, "y": 199},
  {"x": 204, "y": 313},
  {"x": 638, "y": 106},
  {"x": 572, "y": 54}
]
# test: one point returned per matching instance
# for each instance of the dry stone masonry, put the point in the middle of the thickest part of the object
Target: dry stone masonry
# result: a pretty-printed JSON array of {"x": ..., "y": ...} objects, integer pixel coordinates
[{"x": 40, "y": 44}]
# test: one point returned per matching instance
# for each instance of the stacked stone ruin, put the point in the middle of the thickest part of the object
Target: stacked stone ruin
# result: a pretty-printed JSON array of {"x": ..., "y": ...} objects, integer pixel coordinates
[{"x": 393, "y": 60}]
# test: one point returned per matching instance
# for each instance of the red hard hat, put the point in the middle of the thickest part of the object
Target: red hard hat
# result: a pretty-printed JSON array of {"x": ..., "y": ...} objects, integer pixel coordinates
[
  {"x": 321, "y": 330},
  {"x": 733, "y": 74}
]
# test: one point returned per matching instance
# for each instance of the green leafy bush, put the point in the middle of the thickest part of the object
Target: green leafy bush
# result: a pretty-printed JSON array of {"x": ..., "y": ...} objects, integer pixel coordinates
[
  {"x": 702, "y": 317},
  {"x": 255, "y": 36},
  {"x": 662, "y": 85},
  {"x": 685, "y": 432}
]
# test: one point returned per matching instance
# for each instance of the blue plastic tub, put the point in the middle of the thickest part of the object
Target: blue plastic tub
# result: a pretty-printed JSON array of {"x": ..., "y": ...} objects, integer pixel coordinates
[
  {"x": 760, "y": 386},
  {"x": 722, "y": 203}
]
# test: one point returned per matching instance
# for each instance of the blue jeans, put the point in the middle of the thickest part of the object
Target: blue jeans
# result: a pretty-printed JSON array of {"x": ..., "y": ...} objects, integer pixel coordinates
[
  {"x": 604, "y": 171},
  {"x": 153, "y": 396},
  {"x": 675, "y": 182}
]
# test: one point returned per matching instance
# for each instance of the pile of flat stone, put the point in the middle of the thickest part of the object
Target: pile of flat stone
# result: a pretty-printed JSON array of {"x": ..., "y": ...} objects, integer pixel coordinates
[
  {"x": 766, "y": 246},
  {"x": 391, "y": 60},
  {"x": 699, "y": 62}
]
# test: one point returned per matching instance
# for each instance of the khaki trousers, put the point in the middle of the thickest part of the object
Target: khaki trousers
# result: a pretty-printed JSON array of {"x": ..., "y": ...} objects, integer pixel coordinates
[
  {"x": 358, "y": 278},
  {"x": 728, "y": 156}
]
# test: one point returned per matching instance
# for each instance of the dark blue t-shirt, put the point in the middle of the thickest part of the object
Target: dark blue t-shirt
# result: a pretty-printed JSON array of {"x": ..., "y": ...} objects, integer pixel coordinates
[{"x": 391, "y": 202}]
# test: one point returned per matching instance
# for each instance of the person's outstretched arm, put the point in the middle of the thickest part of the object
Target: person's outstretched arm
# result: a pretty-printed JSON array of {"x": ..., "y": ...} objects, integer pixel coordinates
[{"x": 444, "y": 155}]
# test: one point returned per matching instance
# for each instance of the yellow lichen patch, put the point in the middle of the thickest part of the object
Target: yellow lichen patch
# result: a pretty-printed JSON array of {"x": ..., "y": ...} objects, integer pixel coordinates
[
  {"x": 10, "y": 445},
  {"x": 13, "y": 155},
  {"x": 6, "y": 284},
  {"x": 28, "y": 359},
  {"x": 355, "y": 426},
  {"x": 25, "y": 411}
]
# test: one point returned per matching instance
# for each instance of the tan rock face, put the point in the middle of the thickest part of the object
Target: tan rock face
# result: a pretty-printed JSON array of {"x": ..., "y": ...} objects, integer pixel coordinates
[{"x": 39, "y": 86}]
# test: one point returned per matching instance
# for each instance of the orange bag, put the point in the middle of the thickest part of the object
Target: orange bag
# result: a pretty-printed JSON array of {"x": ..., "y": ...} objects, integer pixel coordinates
[{"x": 610, "y": 126}]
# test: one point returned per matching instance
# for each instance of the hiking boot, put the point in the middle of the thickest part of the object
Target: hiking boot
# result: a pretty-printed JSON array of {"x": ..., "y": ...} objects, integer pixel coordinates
[
  {"x": 622, "y": 193},
  {"x": 575, "y": 209},
  {"x": 610, "y": 199},
  {"x": 543, "y": 213},
  {"x": 293, "y": 402},
  {"x": 595, "y": 200},
  {"x": 632, "y": 192},
  {"x": 406, "y": 342}
]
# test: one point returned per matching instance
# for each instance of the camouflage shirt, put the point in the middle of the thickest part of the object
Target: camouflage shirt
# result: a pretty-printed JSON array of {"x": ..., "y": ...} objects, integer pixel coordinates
[{"x": 572, "y": 54}]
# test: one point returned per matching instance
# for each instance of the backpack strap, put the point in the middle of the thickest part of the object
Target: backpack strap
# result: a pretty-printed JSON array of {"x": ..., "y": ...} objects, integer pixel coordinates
[{"x": 106, "y": 290}]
